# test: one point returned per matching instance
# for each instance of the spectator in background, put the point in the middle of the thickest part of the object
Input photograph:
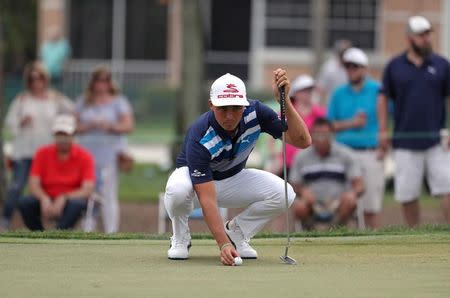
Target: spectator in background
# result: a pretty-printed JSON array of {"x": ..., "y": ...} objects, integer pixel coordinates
[
  {"x": 29, "y": 119},
  {"x": 326, "y": 178},
  {"x": 54, "y": 52},
  {"x": 301, "y": 97},
  {"x": 61, "y": 181},
  {"x": 332, "y": 73},
  {"x": 418, "y": 82},
  {"x": 104, "y": 117},
  {"x": 353, "y": 112}
]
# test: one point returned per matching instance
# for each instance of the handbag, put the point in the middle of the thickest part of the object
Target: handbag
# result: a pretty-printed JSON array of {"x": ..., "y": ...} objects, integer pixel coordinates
[{"x": 125, "y": 162}]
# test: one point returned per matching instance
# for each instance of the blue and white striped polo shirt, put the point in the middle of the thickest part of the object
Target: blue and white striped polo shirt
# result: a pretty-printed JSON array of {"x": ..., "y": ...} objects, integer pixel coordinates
[{"x": 211, "y": 154}]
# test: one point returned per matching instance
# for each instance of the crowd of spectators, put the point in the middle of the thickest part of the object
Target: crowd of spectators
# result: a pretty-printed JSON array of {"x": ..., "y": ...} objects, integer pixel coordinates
[
  {"x": 416, "y": 83},
  {"x": 345, "y": 109},
  {"x": 62, "y": 174}
]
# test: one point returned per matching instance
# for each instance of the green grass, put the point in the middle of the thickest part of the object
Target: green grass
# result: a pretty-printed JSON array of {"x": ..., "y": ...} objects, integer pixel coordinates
[
  {"x": 337, "y": 232},
  {"x": 413, "y": 265},
  {"x": 143, "y": 184},
  {"x": 158, "y": 132}
]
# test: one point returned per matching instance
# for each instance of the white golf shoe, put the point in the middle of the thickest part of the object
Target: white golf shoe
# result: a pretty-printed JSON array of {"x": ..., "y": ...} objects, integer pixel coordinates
[
  {"x": 239, "y": 241},
  {"x": 179, "y": 248}
]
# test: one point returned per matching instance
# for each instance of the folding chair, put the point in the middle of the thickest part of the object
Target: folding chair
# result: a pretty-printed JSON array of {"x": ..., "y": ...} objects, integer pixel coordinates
[{"x": 196, "y": 214}]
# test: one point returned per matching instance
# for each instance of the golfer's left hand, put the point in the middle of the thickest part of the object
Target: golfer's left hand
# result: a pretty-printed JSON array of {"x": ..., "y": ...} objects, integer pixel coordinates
[{"x": 280, "y": 79}]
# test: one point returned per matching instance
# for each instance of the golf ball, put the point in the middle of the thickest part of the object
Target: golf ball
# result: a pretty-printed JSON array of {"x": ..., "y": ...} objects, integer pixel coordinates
[{"x": 237, "y": 261}]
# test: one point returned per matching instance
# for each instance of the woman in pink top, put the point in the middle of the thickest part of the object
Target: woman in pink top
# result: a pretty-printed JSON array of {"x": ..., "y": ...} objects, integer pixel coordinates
[{"x": 301, "y": 96}]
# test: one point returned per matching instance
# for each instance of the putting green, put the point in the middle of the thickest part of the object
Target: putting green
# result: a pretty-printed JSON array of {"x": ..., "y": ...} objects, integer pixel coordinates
[{"x": 364, "y": 266}]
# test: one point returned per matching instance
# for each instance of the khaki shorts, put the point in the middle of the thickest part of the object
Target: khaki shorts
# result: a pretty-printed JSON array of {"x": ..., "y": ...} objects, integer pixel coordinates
[
  {"x": 411, "y": 166},
  {"x": 373, "y": 177}
]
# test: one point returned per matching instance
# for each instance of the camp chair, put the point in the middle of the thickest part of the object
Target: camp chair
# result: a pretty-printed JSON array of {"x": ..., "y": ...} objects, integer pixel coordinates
[{"x": 90, "y": 217}]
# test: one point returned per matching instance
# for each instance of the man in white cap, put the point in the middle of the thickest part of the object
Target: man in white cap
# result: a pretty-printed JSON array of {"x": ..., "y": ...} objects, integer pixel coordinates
[
  {"x": 332, "y": 73},
  {"x": 61, "y": 180},
  {"x": 210, "y": 169},
  {"x": 353, "y": 112},
  {"x": 418, "y": 82}
]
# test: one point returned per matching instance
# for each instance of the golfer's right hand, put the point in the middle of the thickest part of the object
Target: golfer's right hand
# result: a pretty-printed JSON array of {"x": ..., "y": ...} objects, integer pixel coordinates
[{"x": 227, "y": 255}]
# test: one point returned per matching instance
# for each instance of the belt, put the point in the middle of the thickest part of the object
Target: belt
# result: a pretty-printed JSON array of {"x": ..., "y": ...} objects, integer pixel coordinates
[{"x": 364, "y": 148}]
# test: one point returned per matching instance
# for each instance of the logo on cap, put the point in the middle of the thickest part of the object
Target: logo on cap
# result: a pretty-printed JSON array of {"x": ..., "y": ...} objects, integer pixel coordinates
[{"x": 231, "y": 88}]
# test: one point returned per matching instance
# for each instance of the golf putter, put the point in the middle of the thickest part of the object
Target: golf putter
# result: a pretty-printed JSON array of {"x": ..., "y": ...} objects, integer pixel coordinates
[{"x": 285, "y": 258}]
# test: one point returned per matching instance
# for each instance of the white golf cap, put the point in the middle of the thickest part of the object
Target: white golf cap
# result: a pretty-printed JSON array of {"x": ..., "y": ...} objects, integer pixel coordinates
[
  {"x": 356, "y": 56},
  {"x": 64, "y": 123},
  {"x": 418, "y": 25},
  {"x": 300, "y": 83},
  {"x": 228, "y": 90}
]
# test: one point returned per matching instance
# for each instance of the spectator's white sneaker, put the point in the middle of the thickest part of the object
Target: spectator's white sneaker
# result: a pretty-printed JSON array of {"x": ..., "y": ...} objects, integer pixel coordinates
[
  {"x": 179, "y": 248},
  {"x": 237, "y": 238}
]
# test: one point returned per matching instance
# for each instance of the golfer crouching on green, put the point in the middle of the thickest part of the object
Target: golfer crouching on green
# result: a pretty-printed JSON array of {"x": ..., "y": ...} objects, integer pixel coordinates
[{"x": 210, "y": 170}]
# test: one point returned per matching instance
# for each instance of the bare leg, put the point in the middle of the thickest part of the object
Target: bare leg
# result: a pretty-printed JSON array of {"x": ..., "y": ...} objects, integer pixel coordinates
[
  {"x": 346, "y": 208},
  {"x": 372, "y": 220},
  {"x": 303, "y": 212},
  {"x": 411, "y": 213},
  {"x": 302, "y": 209},
  {"x": 446, "y": 207}
]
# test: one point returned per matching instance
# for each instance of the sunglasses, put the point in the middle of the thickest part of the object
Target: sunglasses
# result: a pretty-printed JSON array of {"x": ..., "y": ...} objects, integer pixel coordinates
[
  {"x": 351, "y": 66},
  {"x": 321, "y": 136},
  {"x": 35, "y": 77},
  {"x": 103, "y": 79}
]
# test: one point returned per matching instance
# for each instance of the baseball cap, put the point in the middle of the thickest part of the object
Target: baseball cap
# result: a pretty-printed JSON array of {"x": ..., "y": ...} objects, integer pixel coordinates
[
  {"x": 418, "y": 25},
  {"x": 228, "y": 90},
  {"x": 300, "y": 83},
  {"x": 356, "y": 56},
  {"x": 65, "y": 124}
]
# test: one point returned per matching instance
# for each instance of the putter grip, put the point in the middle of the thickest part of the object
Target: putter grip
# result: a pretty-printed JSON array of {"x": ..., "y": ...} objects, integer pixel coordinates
[{"x": 283, "y": 109}]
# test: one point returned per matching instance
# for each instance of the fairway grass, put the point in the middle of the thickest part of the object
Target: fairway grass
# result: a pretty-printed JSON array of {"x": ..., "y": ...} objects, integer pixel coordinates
[{"x": 362, "y": 266}]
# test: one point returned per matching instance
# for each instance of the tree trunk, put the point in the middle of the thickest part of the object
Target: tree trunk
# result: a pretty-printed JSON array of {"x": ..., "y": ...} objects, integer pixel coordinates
[
  {"x": 191, "y": 99},
  {"x": 2, "y": 109}
]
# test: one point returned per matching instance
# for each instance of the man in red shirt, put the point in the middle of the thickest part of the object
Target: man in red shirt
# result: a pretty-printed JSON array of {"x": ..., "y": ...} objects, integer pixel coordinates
[{"x": 61, "y": 180}]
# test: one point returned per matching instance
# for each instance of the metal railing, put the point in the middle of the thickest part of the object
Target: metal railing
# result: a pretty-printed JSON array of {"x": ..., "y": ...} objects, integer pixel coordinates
[{"x": 131, "y": 75}]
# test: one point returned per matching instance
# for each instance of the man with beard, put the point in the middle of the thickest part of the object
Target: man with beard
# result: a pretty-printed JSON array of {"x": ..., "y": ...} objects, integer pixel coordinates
[
  {"x": 353, "y": 112},
  {"x": 418, "y": 82}
]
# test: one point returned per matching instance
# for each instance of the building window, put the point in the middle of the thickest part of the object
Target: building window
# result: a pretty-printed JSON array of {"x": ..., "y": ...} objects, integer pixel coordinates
[
  {"x": 228, "y": 41},
  {"x": 288, "y": 23},
  {"x": 354, "y": 20},
  {"x": 91, "y": 29},
  {"x": 146, "y": 30}
]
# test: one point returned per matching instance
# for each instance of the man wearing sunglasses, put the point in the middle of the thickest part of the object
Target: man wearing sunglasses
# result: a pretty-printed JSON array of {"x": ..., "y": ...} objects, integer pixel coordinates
[
  {"x": 211, "y": 169},
  {"x": 61, "y": 180},
  {"x": 353, "y": 112}
]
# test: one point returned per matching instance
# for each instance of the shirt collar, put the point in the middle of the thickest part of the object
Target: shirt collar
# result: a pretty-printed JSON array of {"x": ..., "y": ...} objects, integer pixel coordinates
[
  {"x": 364, "y": 86},
  {"x": 427, "y": 61}
]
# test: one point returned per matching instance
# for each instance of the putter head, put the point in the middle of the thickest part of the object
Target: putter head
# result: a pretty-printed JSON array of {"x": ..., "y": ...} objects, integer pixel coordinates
[{"x": 288, "y": 260}]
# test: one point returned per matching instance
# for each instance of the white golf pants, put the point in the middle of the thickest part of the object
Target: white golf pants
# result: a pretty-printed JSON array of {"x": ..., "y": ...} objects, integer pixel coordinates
[{"x": 260, "y": 193}]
